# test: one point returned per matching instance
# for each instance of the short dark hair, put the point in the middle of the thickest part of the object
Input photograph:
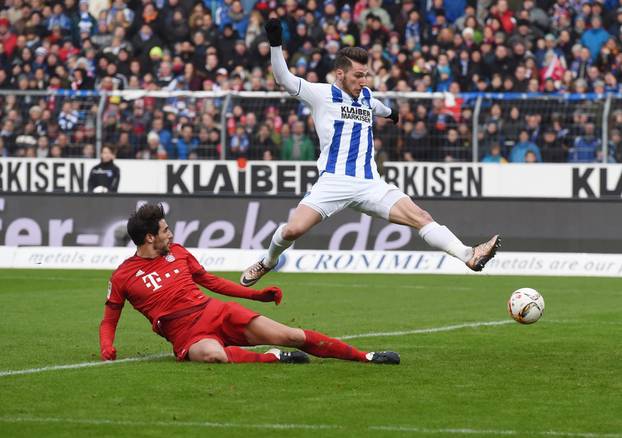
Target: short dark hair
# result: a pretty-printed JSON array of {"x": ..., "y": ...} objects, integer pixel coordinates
[
  {"x": 145, "y": 220},
  {"x": 110, "y": 147},
  {"x": 345, "y": 56}
]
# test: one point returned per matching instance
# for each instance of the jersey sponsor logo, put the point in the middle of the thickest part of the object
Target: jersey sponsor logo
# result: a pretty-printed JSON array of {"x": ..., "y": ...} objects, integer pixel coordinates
[
  {"x": 169, "y": 258},
  {"x": 152, "y": 280},
  {"x": 355, "y": 113}
]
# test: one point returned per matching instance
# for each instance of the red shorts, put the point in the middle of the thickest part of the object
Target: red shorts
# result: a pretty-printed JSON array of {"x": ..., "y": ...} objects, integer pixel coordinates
[{"x": 223, "y": 321}]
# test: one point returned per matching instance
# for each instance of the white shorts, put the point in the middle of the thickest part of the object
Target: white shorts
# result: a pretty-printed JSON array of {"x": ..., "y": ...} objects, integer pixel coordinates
[{"x": 333, "y": 193}]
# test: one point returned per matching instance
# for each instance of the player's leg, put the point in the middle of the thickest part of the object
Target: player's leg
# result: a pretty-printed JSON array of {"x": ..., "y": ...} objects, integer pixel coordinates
[
  {"x": 211, "y": 351},
  {"x": 302, "y": 220},
  {"x": 262, "y": 330},
  {"x": 405, "y": 212},
  {"x": 207, "y": 350},
  {"x": 328, "y": 196}
]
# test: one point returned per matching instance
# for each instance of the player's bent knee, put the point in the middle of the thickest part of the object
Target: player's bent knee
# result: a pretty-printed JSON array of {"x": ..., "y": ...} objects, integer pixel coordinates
[
  {"x": 212, "y": 356},
  {"x": 292, "y": 232},
  {"x": 425, "y": 217},
  {"x": 207, "y": 351}
]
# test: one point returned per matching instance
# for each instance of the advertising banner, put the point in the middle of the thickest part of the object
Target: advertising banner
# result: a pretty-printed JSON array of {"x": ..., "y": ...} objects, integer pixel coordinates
[
  {"x": 419, "y": 180},
  {"x": 249, "y": 222},
  {"x": 315, "y": 261}
]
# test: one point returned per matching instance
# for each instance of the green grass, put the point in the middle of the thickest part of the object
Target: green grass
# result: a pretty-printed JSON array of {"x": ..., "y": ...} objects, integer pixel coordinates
[{"x": 563, "y": 374}]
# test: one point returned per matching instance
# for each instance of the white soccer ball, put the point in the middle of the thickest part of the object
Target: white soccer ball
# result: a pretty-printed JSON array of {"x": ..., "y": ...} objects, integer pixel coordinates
[{"x": 526, "y": 305}]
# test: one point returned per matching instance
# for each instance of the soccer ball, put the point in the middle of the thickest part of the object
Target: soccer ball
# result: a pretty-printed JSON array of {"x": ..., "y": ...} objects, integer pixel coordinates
[{"x": 526, "y": 305}]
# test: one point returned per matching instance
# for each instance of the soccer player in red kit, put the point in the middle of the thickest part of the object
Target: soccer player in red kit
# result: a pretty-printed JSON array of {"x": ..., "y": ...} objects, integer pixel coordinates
[{"x": 160, "y": 282}]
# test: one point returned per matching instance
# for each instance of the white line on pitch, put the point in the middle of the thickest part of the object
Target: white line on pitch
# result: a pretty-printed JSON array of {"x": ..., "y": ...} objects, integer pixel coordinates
[
  {"x": 207, "y": 424},
  {"x": 468, "y": 431},
  {"x": 157, "y": 356},
  {"x": 447, "y": 328},
  {"x": 81, "y": 365},
  {"x": 302, "y": 426}
]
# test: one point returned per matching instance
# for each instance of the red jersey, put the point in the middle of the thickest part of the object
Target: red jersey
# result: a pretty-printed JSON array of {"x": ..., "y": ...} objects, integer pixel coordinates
[{"x": 166, "y": 284}]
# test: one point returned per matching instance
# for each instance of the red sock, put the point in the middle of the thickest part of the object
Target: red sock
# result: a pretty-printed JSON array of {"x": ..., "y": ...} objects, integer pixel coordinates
[
  {"x": 240, "y": 355},
  {"x": 321, "y": 345}
]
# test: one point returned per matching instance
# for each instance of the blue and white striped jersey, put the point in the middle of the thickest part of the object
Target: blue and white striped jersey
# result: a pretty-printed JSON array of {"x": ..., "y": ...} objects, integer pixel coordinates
[
  {"x": 343, "y": 124},
  {"x": 344, "y": 127}
]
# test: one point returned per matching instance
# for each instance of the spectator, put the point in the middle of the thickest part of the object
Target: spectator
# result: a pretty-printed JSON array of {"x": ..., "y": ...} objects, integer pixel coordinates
[
  {"x": 105, "y": 176},
  {"x": 267, "y": 155},
  {"x": 614, "y": 147},
  {"x": 154, "y": 149},
  {"x": 553, "y": 150},
  {"x": 534, "y": 127},
  {"x": 387, "y": 132},
  {"x": 585, "y": 147},
  {"x": 440, "y": 120},
  {"x": 299, "y": 146},
  {"x": 494, "y": 155},
  {"x": 453, "y": 149},
  {"x": 595, "y": 37},
  {"x": 488, "y": 136},
  {"x": 380, "y": 155},
  {"x": 7, "y": 38},
  {"x": 144, "y": 41},
  {"x": 531, "y": 157},
  {"x": 537, "y": 16},
  {"x": 167, "y": 44},
  {"x": 495, "y": 116},
  {"x": 262, "y": 143},
  {"x": 88, "y": 151},
  {"x": 239, "y": 144},
  {"x": 520, "y": 149},
  {"x": 23, "y": 143},
  {"x": 375, "y": 9},
  {"x": 58, "y": 19},
  {"x": 505, "y": 16},
  {"x": 124, "y": 147},
  {"x": 417, "y": 144},
  {"x": 186, "y": 143},
  {"x": 68, "y": 117},
  {"x": 43, "y": 147},
  {"x": 166, "y": 137},
  {"x": 56, "y": 151}
]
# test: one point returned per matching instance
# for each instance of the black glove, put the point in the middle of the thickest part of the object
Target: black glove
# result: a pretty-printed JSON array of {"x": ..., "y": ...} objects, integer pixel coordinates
[
  {"x": 273, "y": 29},
  {"x": 394, "y": 116}
]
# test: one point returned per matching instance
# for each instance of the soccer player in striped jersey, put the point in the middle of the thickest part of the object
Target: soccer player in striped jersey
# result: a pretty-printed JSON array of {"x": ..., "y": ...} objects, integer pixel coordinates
[{"x": 343, "y": 114}]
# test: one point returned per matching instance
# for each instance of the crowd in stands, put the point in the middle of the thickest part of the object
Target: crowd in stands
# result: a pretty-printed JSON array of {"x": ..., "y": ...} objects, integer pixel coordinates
[{"x": 552, "y": 47}]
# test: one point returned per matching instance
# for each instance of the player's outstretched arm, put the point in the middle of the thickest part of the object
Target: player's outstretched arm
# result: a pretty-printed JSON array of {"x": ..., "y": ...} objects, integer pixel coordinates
[
  {"x": 231, "y": 289},
  {"x": 282, "y": 75},
  {"x": 380, "y": 109},
  {"x": 107, "y": 329}
]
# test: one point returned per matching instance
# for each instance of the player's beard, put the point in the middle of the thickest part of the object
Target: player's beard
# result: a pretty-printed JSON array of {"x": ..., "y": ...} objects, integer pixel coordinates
[
  {"x": 162, "y": 248},
  {"x": 350, "y": 90}
]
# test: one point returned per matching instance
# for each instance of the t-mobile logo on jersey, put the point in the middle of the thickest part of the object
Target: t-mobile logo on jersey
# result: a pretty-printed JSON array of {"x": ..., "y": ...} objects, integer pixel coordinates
[{"x": 152, "y": 280}]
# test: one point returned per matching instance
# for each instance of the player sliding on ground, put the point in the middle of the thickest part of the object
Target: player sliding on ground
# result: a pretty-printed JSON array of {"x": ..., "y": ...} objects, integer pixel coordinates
[
  {"x": 343, "y": 114},
  {"x": 160, "y": 282}
]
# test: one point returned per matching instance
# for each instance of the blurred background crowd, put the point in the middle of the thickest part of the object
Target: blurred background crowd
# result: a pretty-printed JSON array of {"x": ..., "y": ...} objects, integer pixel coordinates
[{"x": 547, "y": 48}]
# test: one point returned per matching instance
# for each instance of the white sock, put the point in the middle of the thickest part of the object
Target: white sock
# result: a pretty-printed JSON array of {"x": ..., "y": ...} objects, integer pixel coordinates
[
  {"x": 440, "y": 237},
  {"x": 277, "y": 246}
]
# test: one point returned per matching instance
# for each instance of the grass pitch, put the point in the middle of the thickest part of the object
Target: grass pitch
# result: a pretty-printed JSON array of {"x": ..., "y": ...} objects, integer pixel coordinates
[{"x": 559, "y": 377}]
